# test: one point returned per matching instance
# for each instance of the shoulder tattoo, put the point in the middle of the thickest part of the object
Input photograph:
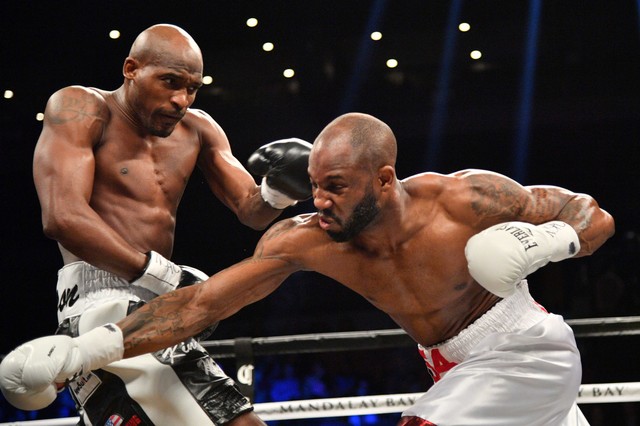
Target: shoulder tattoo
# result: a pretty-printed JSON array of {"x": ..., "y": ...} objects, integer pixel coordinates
[
  {"x": 74, "y": 108},
  {"x": 272, "y": 233}
]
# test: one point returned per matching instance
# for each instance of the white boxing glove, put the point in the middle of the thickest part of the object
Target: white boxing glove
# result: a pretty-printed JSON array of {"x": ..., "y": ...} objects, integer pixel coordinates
[
  {"x": 503, "y": 255},
  {"x": 28, "y": 375},
  {"x": 160, "y": 275}
]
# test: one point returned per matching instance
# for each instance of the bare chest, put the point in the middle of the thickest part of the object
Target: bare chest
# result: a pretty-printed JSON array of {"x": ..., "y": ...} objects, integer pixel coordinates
[
  {"x": 145, "y": 169},
  {"x": 414, "y": 281}
]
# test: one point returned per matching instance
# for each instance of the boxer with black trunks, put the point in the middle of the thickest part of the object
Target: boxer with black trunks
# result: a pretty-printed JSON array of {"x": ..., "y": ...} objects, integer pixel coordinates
[
  {"x": 445, "y": 256},
  {"x": 110, "y": 168}
]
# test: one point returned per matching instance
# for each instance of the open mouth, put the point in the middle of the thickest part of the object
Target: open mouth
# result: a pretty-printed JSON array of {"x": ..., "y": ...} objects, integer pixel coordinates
[{"x": 324, "y": 221}]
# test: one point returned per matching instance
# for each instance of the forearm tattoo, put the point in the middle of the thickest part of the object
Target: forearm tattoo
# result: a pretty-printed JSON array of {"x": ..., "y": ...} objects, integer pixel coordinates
[{"x": 163, "y": 316}]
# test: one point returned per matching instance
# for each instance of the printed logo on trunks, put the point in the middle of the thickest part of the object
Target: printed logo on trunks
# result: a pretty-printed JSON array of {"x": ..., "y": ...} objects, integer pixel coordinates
[
  {"x": 84, "y": 386},
  {"x": 436, "y": 363},
  {"x": 133, "y": 421},
  {"x": 69, "y": 297},
  {"x": 174, "y": 354},
  {"x": 114, "y": 420}
]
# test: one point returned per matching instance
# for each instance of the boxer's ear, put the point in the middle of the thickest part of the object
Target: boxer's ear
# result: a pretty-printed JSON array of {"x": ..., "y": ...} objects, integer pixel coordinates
[
  {"x": 386, "y": 177},
  {"x": 129, "y": 68}
]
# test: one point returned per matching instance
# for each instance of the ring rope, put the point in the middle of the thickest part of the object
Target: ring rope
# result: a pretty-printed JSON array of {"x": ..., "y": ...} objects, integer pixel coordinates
[
  {"x": 380, "y": 404},
  {"x": 396, "y": 403},
  {"x": 390, "y": 338},
  {"x": 394, "y": 338}
]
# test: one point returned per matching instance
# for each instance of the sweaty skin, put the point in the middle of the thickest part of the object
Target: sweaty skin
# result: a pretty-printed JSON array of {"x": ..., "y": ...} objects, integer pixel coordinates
[
  {"x": 408, "y": 260},
  {"x": 110, "y": 167}
]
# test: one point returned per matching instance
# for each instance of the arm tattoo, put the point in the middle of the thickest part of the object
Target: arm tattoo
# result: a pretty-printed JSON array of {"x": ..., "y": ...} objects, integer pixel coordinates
[
  {"x": 163, "y": 316},
  {"x": 69, "y": 109},
  {"x": 507, "y": 200},
  {"x": 492, "y": 197},
  {"x": 275, "y": 231},
  {"x": 546, "y": 205}
]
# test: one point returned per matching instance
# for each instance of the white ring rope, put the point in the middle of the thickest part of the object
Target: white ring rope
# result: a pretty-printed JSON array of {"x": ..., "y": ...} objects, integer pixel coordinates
[{"x": 380, "y": 404}]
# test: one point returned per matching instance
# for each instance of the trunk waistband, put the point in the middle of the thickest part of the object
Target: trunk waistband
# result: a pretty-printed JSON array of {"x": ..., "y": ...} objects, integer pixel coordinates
[
  {"x": 516, "y": 312},
  {"x": 81, "y": 286}
]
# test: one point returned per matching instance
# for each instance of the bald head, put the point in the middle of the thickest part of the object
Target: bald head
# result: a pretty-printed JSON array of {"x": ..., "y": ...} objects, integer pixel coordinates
[
  {"x": 165, "y": 44},
  {"x": 370, "y": 141}
]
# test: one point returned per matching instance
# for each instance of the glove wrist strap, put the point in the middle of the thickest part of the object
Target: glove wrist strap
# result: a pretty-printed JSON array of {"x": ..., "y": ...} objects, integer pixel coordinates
[
  {"x": 100, "y": 346},
  {"x": 564, "y": 239},
  {"x": 160, "y": 275},
  {"x": 275, "y": 198}
]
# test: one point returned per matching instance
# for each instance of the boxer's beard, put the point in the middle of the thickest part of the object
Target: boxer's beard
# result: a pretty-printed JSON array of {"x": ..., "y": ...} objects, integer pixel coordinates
[{"x": 363, "y": 214}]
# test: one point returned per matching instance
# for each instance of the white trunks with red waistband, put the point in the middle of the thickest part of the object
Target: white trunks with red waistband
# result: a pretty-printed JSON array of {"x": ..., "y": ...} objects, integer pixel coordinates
[{"x": 515, "y": 365}]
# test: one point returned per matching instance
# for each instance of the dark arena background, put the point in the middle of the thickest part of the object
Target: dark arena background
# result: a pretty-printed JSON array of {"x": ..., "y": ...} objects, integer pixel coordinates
[{"x": 547, "y": 92}]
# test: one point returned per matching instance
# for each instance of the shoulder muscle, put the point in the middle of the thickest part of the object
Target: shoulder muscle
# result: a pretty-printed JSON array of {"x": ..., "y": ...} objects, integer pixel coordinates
[
  {"x": 76, "y": 115},
  {"x": 291, "y": 240}
]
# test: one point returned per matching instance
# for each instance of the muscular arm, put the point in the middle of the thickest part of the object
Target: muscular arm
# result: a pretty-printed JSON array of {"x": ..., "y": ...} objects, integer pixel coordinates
[
  {"x": 229, "y": 180},
  {"x": 495, "y": 198},
  {"x": 175, "y": 316},
  {"x": 63, "y": 169}
]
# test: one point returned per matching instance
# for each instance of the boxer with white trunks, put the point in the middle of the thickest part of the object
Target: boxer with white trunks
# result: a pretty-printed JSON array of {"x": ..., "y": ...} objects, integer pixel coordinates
[
  {"x": 110, "y": 169},
  {"x": 445, "y": 256},
  {"x": 89, "y": 297},
  {"x": 514, "y": 347}
]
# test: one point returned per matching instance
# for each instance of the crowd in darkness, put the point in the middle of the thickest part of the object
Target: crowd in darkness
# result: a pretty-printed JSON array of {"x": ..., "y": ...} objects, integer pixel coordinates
[{"x": 602, "y": 286}]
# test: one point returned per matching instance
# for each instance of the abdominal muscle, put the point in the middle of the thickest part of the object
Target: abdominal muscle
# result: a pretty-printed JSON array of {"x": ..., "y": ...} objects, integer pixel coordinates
[{"x": 146, "y": 226}]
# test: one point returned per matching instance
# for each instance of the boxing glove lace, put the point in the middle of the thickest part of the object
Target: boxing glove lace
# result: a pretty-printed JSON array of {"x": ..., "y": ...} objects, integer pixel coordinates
[
  {"x": 28, "y": 375},
  {"x": 283, "y": 167},
  {"x": 503, "y": 255}
]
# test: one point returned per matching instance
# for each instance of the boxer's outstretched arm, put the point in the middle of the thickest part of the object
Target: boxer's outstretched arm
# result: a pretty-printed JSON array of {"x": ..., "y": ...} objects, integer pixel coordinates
[
  {"x": 175, "y": 316},
  {"x": 28, "y": 375}
]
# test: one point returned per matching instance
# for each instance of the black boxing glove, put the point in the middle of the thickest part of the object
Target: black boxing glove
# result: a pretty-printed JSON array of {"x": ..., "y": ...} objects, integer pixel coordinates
[{"x": 283, "y": 167}]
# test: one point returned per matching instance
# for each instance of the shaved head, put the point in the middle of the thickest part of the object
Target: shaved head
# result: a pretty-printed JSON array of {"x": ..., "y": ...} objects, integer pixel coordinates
[
  {"x": 371, "y": 141},
  {"x": 164, "y": 44},
  {"x": 162, "y": 75}
]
